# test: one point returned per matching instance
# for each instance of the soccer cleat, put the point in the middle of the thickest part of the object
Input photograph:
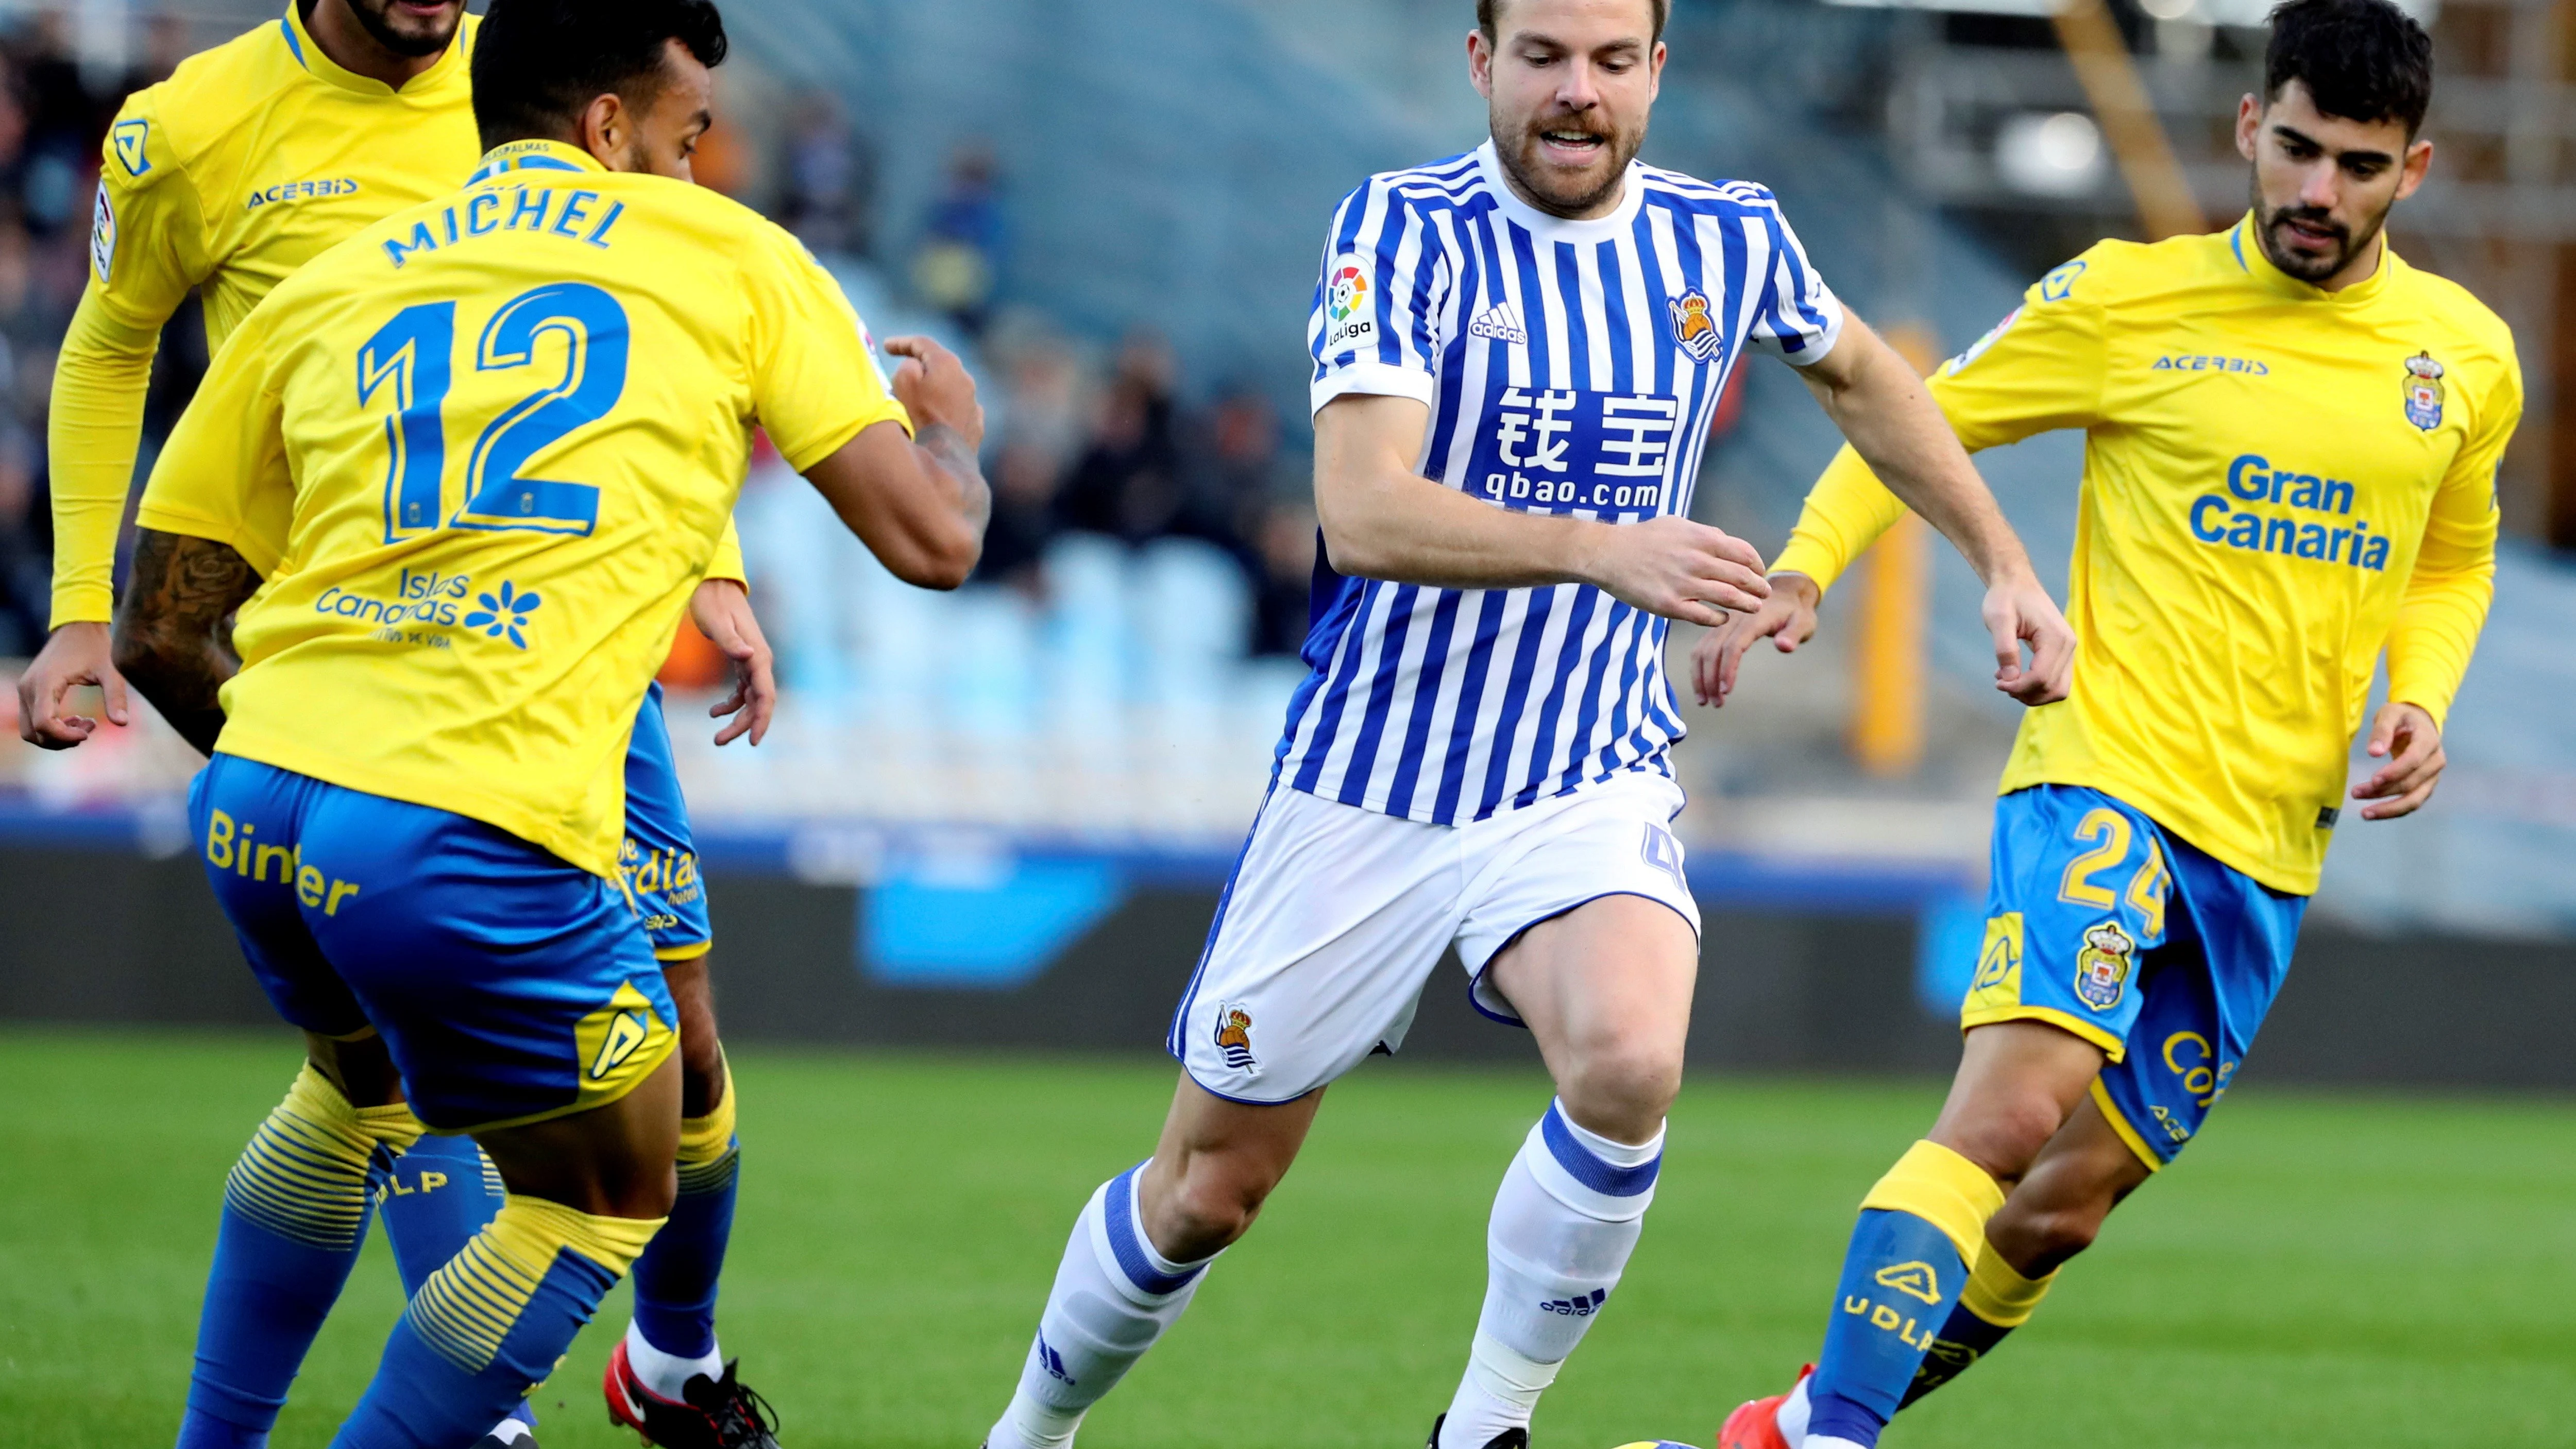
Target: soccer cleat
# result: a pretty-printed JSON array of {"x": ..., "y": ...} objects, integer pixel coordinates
[
  {"x": 1513, "y": 1438},
  {"x": 508, "y": 1434},
  {"x": 1756, "y": 1424},
  {"x": 709, "y": 1414}
]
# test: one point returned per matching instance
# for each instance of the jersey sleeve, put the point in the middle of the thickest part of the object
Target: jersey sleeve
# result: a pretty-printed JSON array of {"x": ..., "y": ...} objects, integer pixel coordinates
[
  {"x": 728, "y": 560},
  {"x": 814, "y": 385},
  {"x": 223, "y": 475},
  {"x": 2040, "y": 369},
  {"x": 1386, "y": 279},
  {"x": 1798, "y": 318},
  {"x": 147, "y": 248},
  {"x": 2445, "y": 604}
]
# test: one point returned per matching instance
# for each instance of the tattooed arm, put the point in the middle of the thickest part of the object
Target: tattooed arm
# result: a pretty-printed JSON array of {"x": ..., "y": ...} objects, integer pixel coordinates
[{"x": 173, "y": 635}]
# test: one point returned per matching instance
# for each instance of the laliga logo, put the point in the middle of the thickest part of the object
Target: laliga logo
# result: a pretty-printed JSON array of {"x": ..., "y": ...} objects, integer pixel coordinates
[
  {"x": 1349, "y": 289},
  {"x": 1346, "y": 303}
]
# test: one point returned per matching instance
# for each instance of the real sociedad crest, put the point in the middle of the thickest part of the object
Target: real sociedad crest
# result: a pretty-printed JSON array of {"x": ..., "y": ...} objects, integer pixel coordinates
[
  {"x": 1694, "y": 331},
  {"x": 2424, "y": 391}
]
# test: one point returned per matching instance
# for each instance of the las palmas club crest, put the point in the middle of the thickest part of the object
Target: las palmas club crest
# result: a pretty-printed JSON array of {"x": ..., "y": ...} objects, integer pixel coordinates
[{"x": 2424, "y": 391}]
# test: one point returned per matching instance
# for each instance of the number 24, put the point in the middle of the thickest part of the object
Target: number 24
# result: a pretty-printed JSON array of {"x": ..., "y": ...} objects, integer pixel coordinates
[
  {"x": 2146, "y": 889},
  {"x": 414, "y": 355}
]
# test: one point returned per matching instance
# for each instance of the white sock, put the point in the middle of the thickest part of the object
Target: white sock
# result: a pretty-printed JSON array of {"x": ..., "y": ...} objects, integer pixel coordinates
[
  {"x": 1792, "y": 1417},
  {"x": 665, "y": 1373},
  {"x": 1567, "y": 1216},
  {"x": 1114, "y": 1295}
]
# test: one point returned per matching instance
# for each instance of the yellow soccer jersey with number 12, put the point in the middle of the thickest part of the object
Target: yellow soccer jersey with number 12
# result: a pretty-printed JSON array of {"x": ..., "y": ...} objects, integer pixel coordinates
[
  {"x": 483, "y": 451},
  {"x": 2278, "y": 482}
]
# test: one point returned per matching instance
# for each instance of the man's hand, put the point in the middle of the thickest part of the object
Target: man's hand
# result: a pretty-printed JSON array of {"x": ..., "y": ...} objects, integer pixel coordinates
[
  {"x": 935, "y": 388},
  {"x": 1676, "y": 568},
  {"x": 76, "y": 655},
  {"x": 2407, "y": 732},
  {"x": 2018, "y": 611},
  {"x": 1787, "y": 619},
  {"x": 722, "y": 612}
]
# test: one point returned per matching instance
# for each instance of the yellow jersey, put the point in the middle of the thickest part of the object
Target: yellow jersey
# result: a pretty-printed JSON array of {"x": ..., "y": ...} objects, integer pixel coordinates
[
  {"x": 2279, "y": 482},
  {"x": 252, "y": 159},
  {"x": 482, "y": 452}
]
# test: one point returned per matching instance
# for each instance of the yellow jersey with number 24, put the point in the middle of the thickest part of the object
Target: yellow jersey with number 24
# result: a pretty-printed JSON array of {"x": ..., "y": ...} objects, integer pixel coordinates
[
  {"x": 2278, "y": 482},
  {"x": 483, "y": 451}
]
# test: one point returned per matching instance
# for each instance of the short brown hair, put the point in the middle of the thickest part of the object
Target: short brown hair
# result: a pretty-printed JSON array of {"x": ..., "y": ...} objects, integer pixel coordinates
[{"x": 1485, "y": 17}]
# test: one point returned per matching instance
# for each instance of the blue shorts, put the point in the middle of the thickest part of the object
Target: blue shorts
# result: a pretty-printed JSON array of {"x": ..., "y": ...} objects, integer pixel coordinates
[
  {"x": 659, "y": 858},
  {"x": 509, "y": 986},
  {"x": 2104, "y": 923}
]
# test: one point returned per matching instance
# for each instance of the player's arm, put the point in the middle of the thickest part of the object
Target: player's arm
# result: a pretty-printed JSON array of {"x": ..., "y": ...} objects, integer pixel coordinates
[
  {"x": 1884, "y": 409},
  {"x": 173, "y": 632},
  {"x": 213, "y": 522},
  {"x": 917, "y": 499},
  {"x": 2040, "y": 369},
  {"x": 2439, "y": 617},
  {"x": 1383, "y": 520},
  {"x": 145, "y": 253}
]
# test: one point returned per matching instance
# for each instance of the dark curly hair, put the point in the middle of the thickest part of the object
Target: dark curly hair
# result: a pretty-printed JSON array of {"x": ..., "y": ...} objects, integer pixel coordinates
[{"x": 2363, "y": 60}]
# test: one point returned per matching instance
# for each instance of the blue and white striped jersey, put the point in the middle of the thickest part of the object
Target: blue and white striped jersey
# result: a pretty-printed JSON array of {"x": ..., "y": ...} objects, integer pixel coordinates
[{"x": 1571, "y": 368}]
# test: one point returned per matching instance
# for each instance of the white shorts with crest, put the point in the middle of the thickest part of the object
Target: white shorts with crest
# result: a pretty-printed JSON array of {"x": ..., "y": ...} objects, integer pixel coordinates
[{"x": 1336, "y": 917}]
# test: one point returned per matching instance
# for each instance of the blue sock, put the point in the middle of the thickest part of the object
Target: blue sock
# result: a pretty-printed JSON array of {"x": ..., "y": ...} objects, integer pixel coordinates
[
  {"x": 489, "y": 1326},
  {"x": 675, "y": 1280},
  {"x": 1901, "y": 1279},
  {"x": 438, "y": 1196},
  {"x": 295, "y": 1212}
]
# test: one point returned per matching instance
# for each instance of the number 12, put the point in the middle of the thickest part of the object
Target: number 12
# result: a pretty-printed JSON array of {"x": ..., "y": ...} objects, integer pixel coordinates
[{"x": 414, "y": 354}]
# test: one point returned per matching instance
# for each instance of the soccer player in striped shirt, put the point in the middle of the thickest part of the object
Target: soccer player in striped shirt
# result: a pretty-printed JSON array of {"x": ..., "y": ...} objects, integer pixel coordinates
[
  {"x": 1515, "y": 356},
  {"x": 2289, "y": 469},
  {"x": 256, "y": 157}
]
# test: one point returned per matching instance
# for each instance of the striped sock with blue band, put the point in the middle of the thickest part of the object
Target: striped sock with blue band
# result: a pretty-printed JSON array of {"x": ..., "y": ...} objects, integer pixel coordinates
[
  {"x": 1568, "y": 1214},
  {"x": 1114, "y": 1295}
]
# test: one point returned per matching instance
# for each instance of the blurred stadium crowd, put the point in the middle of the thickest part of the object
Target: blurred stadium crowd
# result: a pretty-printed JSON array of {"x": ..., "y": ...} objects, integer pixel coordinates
[{"x": 1118, "y": 670}]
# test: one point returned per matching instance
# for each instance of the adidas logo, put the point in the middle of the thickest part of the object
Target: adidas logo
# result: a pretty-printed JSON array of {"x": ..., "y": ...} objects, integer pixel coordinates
[
  {"x": 1499, "y": 323},
  {"x": 1052, "y": 1361},
  {"x": 1583, "y": 1306}
]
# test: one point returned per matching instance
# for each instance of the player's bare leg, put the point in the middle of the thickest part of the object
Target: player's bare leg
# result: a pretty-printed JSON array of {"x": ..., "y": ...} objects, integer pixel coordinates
[
  {"x": 1606, "y": 989},
  {"x": 2055, "y": 1212},
  {"x": 2018, "y": 1084},
  {"x": 667, "y": 1378},
  {"x": 1217, "y": 1163}
]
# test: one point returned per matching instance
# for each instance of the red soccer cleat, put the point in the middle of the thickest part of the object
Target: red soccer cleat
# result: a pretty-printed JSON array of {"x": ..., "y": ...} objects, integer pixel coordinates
[
  {"x": 711, "y": 1414},
  {"x": 1756, "y": 1425}
]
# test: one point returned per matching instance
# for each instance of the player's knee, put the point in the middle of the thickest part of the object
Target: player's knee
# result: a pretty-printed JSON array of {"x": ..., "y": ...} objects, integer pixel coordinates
[
  {"x": 1211, "y": 1204},
  {"x": 2006, "y": 1136},
  {"x": 1621, "y": 1089},
  {"x": 2049, "y": 1235}
]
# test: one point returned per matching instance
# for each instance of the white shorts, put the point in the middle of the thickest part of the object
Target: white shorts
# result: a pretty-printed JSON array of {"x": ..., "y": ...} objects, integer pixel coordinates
[{"x": 1337, "y": 915}]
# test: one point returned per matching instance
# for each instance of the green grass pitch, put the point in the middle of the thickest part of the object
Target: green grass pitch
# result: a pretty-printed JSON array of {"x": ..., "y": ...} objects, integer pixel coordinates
[{"x": 2345, "y": 1271}]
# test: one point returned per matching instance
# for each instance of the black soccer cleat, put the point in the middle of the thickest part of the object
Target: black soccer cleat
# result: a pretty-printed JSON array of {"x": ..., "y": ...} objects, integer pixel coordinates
[
  {"x": 1512, "y": 1438},
  {"x": 709, "y": 1414}
]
